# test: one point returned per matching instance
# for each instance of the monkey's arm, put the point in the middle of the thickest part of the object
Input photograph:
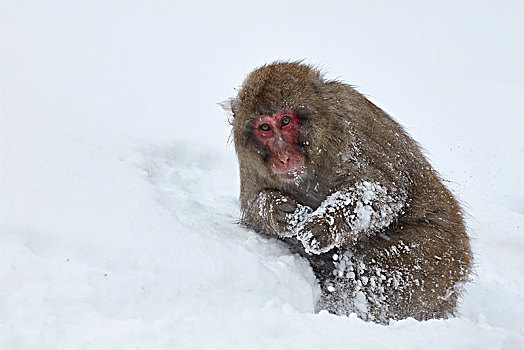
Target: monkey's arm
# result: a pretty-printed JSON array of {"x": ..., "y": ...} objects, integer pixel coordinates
[
  {"x": 270, "y": 211},
  {"x": 364, "y": 208}
]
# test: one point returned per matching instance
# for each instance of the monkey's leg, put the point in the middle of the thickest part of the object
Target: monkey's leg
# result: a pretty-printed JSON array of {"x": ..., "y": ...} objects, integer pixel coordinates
[{"x": 410, "y": 271}]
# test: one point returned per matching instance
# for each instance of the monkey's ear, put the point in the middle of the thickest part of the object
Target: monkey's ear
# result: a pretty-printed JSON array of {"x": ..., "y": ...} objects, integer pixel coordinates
[{"x": 230, "y": 106}]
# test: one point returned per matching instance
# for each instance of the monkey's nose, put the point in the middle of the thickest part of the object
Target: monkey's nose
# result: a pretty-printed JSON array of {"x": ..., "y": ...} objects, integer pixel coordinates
[{"x": 284, "y": 158}]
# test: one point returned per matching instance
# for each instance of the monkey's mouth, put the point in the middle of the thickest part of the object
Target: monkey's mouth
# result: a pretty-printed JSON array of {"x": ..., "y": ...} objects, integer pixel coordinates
[
  {"x": 290, "y": 173},
  {"x": 293, "y": 174}
]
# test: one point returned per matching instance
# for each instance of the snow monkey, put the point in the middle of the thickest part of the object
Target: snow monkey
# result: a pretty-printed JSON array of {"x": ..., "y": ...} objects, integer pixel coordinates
[{"x": 334, "y": 176}]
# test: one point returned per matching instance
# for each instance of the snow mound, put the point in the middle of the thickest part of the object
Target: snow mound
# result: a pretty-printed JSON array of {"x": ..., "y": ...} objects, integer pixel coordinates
[{"x": 187, "y": 276}]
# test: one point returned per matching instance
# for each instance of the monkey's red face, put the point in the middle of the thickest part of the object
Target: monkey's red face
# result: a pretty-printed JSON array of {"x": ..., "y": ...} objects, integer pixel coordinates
[{"x": 278, "y": 134}]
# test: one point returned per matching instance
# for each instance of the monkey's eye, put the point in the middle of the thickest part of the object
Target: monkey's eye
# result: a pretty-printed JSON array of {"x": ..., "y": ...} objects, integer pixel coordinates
[
  {"x": 265, "y": 127},
  {"x": 285, "y": 121}
]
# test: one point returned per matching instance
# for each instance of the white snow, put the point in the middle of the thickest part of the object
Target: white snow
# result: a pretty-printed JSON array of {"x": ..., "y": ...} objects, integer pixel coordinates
[{"x": 119, "y": 190}]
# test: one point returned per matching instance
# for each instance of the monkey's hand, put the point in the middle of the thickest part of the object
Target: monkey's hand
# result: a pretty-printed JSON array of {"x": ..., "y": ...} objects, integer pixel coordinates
[
  {"x": 317, "y": 234},
  {"x": 363, "y": 208},
  {"x": 280, "y": 214}
]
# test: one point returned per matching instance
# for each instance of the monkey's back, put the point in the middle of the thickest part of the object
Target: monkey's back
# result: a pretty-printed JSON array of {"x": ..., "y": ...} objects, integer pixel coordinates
[{"x": 415, "y": 267}]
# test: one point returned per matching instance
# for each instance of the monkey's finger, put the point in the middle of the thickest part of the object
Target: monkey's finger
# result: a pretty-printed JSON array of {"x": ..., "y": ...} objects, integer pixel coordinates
[
  {"x": 280, "y": 216},
  {"x": 288, "y": 207},
  {"x": 320, "y": 231},
  {"x": 316, "y": 227}
]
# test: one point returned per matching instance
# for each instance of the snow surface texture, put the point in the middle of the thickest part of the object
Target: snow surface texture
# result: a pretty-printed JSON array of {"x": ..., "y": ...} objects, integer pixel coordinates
[{"x": 118, "y": 192}]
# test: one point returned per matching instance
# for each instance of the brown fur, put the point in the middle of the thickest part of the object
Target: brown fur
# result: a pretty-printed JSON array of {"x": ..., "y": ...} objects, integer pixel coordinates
[{"x": 409, "y": 262}]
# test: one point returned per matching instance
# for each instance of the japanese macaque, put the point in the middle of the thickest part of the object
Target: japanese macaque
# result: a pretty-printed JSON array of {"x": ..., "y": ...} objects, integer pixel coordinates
[{"x": 331, "y": 174}]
